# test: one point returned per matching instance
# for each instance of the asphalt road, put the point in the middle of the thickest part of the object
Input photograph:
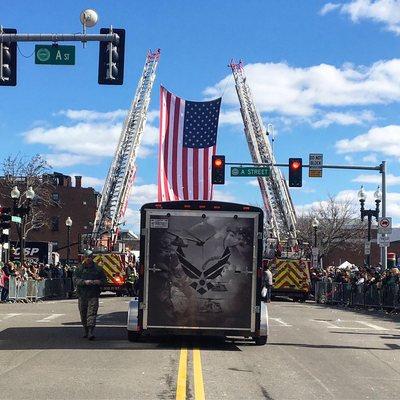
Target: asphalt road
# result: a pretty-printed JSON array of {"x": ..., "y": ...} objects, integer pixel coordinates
[{"x": 314, "y": 352}]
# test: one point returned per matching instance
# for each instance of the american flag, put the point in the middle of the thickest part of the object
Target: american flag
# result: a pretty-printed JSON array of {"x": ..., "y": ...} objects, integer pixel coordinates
[{"x": 188, "y": 136}]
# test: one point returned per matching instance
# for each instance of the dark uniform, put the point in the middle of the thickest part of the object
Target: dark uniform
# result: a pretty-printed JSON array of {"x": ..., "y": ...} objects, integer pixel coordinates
[{"x": 89, "y": 293}]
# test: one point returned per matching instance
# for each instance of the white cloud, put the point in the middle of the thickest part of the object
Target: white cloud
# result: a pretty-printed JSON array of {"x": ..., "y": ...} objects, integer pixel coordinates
[
  {"x": 93, "y": 137},
  {"x": 370, "y": 158},
  {"x": 386, "y": 12},
  {"x": 58, "y": 160},
  {"x": 328, "y": 8},
  {"x": 349, "y": 159},
  {"x": 221, "y": 195},
  {"x": 142, "y": 194},
  {"x": 132, "y": 218},
  {"x": 392, "y": 199},
  {"x": 377, "y": 179},
  {"x": 253, "y": 182},
  {"x": 81, "y": 139},
  {"x": 90, "y": 181},
  {"x": 385, "y": 140},
  {"x": 91, "y": 115},
  {"x": 347, "y": 118},
  {"x": 307, "y": 92},
  {"x": 230, "y": 117}
]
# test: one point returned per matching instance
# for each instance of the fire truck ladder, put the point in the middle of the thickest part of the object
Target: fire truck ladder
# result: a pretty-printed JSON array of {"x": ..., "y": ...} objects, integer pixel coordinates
[
  {"x": 278, "y": 205},
  {"x": 119, "y": 182}
]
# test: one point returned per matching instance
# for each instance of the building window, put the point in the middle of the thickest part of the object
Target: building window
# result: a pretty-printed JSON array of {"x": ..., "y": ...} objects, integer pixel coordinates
[
  {"x": 55, "y": 224},
  {"x": 55, "y": 197}
]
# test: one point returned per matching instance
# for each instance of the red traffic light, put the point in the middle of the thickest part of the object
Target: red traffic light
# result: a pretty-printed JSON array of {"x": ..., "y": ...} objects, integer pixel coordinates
[
  {"x": 218, "y": 162},
  {"x": 295, "y": 172},
  {"x": 295, "y": 165},
  {"x": 218, "y": 170}
]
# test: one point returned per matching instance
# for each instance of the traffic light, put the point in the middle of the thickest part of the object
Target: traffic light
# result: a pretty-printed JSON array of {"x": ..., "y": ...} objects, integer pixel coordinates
[
  {"x": 5, "y": 218},
  {"x": 116, "y": 77},
  {"x": 218, "y": 170},
  {"x": 8, "y": 61},
  {"x": 295, "y": 172}
]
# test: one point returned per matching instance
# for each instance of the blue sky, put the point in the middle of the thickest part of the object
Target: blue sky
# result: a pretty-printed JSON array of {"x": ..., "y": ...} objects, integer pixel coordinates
[{"x": 327, "y": 75}]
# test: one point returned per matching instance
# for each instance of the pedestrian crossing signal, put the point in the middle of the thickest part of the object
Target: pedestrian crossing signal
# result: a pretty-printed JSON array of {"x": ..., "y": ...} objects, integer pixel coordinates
[
  {"x": 295, "y": 172},
  {"x": 218, "y": 170}
]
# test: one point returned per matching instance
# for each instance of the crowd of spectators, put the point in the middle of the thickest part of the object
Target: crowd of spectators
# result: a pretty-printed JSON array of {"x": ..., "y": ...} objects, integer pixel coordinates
[
  {"x": 30, "y": 270},
  {"x": 357, "y": 275}
]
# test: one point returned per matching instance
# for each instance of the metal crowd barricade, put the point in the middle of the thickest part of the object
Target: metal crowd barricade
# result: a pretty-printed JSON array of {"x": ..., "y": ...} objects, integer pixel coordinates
[
  {"x": 372, "y": 296},
  {"x": 33, "y": 290},
  {"x": 387, "y": 296},
  {"x": 337, "y": 293},
  {"x": 12, "y": 289},
  {"x": 346, "y": 294},
  {"x": 358, "y": 295}
]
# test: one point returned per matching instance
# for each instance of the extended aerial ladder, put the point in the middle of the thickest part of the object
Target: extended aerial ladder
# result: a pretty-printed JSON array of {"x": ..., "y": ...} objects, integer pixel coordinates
[
  {"x": 119, "y": 182},
  {"x": 274, "y": 191}
]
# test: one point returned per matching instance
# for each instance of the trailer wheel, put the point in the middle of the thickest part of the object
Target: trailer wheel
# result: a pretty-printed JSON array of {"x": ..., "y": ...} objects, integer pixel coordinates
[
  {"x": 133, "y": 336},
  {"x": 261, "y": 340}
]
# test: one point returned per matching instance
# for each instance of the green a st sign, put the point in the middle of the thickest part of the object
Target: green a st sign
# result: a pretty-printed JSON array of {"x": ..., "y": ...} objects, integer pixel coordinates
[{"x": 54, "y": 55}]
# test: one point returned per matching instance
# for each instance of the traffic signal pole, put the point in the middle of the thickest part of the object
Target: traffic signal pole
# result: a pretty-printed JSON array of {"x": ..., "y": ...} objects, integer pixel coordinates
[
  {"x": 112, "y": 69},
  {"x": 57, "y": 37},
  {"x": 381, "y": 168}
]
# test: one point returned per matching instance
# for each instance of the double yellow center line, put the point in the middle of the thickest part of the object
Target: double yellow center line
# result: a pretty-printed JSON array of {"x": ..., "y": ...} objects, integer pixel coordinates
[{"x": 197, "y": 375}]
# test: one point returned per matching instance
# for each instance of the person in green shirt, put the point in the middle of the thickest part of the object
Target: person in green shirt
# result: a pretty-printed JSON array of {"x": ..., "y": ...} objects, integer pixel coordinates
[{"x": 88, "y": 279}]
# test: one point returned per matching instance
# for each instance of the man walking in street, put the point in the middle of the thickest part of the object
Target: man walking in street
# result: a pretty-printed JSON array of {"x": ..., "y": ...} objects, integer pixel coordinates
[
  {"x": 268, "y": 282},
  {"x": 88, "y": 279}
]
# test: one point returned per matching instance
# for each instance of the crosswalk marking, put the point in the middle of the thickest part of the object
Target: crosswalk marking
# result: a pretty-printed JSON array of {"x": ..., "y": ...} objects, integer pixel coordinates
[
  {"x": 279, "y": 320},
  {"x": 9, "y": 316},
  {"x": 376, "y": 327},
  {"x": 50, "y": 318}
]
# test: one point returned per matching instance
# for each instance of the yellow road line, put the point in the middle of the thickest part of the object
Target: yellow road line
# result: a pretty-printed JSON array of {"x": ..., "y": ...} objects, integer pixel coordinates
[
  {"x": 198, "y": 376},
  {"x": 182, "y": 375}
]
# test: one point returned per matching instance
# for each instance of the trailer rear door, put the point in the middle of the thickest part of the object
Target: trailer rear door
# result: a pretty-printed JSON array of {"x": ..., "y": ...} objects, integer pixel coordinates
[{"x": 200, "y": 269}]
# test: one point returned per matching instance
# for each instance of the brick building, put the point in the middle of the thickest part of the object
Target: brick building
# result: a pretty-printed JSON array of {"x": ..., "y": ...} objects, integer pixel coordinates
[{"x": 68, "y": 200}]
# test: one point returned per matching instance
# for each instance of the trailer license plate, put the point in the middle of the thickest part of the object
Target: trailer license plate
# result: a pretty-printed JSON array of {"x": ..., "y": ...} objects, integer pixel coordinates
[{"x": 159, "y": 223}]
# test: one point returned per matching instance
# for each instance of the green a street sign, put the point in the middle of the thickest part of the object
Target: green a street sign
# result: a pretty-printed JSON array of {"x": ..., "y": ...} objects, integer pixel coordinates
[
  {"x": 54, "y": 54},
  {"x": 250, "y": 171},
  {"x": 16, "y": 219}
]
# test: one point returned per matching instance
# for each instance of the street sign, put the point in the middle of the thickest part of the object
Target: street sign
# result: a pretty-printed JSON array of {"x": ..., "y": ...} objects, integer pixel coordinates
[
  {"x": 383, "y": 240},
  {"x": 367, "y": 248},
  {"x": 315, "y": 165},
  {"x": 15, "y": 219},
  {"x": 54, "y": 54},
  {"x": 250, "y": 171},
  {"x": 385, "y": 225}
]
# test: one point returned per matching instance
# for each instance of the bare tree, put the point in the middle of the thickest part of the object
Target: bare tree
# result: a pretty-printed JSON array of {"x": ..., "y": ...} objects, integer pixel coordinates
[
  {"x": 26, "y": 172},
  {"x": 339, "y": 226}
]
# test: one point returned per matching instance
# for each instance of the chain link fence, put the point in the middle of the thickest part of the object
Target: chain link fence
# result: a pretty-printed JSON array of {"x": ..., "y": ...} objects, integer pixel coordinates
[{"x": 369, "y": 296}]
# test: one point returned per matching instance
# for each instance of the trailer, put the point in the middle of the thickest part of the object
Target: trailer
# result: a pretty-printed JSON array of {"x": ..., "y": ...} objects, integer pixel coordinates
[{"x": 200, "y": 271}]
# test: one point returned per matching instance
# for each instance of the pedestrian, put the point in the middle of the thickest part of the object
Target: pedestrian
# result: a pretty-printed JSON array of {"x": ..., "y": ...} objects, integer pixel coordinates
[
  {"x": 268, "y": 282},
  {"x": 4, "y": 282},
  {"x": 88, "y": 279}
]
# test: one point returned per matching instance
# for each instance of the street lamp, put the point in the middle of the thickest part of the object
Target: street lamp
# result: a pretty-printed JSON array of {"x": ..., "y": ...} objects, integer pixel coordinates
[
  {"x": 22, "y": 211},
  {"x": 362, "y": 196},
  {"x": 315, "y": 225},
  {"x": 68, "y": 223}
]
